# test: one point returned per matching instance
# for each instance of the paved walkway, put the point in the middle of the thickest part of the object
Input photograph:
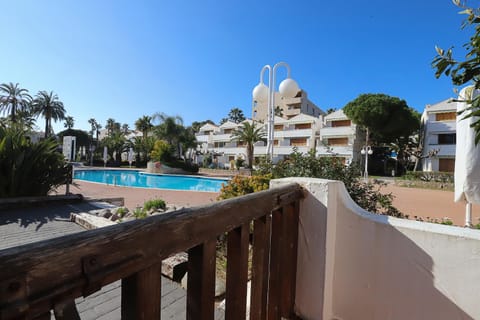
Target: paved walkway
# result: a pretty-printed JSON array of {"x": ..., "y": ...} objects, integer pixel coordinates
[{"x": 27, "y": 225}]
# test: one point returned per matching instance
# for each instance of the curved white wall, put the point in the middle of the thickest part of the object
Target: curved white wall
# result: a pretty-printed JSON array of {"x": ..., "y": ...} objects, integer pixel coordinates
[{"x": 357, "y": 265}]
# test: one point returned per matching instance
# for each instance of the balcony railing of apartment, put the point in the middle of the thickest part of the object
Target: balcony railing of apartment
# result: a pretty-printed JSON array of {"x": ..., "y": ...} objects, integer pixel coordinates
[{"x": 48, "y": 275}]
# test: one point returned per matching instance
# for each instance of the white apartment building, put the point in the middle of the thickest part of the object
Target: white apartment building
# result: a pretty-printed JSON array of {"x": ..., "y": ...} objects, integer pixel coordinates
[
  {"x": 299, "y": 131},
  {"x": 339, "y": 137},
  {"x": 289, "y": 107},
  {"x": 440, "y": 127}
]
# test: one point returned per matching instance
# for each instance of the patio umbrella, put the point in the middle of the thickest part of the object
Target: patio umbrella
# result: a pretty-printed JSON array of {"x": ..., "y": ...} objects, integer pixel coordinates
[
  {"x": 467, "y": 157},
  {"x": 130, "y": 156},
  {"x": 105, "y": 155}
]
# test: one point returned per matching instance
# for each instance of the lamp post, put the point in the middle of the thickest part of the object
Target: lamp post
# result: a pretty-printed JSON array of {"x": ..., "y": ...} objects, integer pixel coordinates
[
  {"x": 366, "y": 150},
  {"x": 288, "y": 88}
]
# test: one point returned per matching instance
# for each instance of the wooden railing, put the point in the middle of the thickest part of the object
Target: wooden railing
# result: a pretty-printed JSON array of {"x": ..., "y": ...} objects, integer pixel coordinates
[{"x": 39, "y": 277}]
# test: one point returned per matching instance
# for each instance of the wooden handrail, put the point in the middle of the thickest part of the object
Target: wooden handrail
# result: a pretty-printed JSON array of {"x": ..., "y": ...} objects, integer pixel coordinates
[{"x": 38, "y": 277}]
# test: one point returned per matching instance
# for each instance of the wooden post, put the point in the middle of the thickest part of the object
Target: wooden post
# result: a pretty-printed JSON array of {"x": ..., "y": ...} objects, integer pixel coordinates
[
  {"x": 288, "y": 268},
  {"x": 201, "y": 281},
  {"x": 260, "y": 257},
  {"x": 275, "y": 263},
  {"x": 142, "y": 293},
  {"x": 237, "y": 273}
]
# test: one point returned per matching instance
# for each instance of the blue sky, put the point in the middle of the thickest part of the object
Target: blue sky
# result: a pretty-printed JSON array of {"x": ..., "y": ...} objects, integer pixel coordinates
[{"x": 198, "y": 59}]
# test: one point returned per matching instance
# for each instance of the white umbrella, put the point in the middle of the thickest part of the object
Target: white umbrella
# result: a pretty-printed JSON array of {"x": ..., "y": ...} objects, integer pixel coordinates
[
  {"x": 130, "y": 156},
  {"x": 105, "y": 155},
  {"x": 467, "y": 157}
]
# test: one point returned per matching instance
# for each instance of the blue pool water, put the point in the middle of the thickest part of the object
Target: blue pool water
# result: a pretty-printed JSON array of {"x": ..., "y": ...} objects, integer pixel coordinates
[{"x": 130, "y": 178}]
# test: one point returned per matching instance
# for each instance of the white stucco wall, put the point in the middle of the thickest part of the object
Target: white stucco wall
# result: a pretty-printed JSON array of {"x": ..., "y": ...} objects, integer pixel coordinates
[{"x": 356, "y": 265}]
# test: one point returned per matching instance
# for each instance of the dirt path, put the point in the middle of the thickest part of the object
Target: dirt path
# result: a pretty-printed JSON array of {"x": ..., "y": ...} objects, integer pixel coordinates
[{"x": 430, "y": 203}]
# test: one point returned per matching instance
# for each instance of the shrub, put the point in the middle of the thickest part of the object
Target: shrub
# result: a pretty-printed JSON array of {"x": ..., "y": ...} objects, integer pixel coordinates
[
  {"x": 154, "y": 204},
  {"x": 187, "y": 166},
  {"x": 366, "y": 195},
  {"x": 242, "y": 185},
  {"x": 445, "y": 177},
  {"x": 29, "y": 169},
  {"x": 162, "y": 151}
]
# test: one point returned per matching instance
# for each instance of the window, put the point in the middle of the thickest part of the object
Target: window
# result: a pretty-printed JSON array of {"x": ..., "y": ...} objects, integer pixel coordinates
[
  {"x": 338, "y": 141},
  {"x": 447, "y": 138},
  {"x": 299, "y": 142},
  {"x": 219, "y": 144},
  {"x": 446, "y": 116},
  {"x": 231, "y": 158},
  {"x": 275, "y": 142},
  {"x": 446, "y": 165},
  {"x": 303, "y": 126},
  {"x": 278, "y": 127},
  {"x": 341, "y": 123},
  {"x": 227, "y": 131}
]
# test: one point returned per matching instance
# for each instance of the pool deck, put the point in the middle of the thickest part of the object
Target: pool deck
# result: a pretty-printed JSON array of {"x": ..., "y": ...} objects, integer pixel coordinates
[{"x": 135, "y": 197}]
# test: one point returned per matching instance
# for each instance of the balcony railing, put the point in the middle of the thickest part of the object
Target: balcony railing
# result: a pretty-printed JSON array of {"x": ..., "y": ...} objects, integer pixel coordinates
[{"x": 49, "y": 275}]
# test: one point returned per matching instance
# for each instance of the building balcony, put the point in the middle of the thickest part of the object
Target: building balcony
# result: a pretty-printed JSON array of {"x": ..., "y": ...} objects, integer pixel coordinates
[
  {"x": 335, "y": 150},
  {"x": 315, "y": 255},
  {"x": 221, "y": 137},
  {"x": 202, "y": 138},
  {"x": 327, "y": 132},
  {"x": 295, "y": 133},
  {"x": 289, "y": 101},
  {"x": 444, "y": 149},
  {"x": 444, "y": 127}
]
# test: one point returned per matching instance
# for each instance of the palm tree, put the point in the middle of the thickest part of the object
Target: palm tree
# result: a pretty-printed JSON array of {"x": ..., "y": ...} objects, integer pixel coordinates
[
  {"x": 144, "y": 124},
  {"x": 125, "y": 128},
  {"x": 69, "y": 122},
  {"x": 249, "y": 133},
  {"x": 13, "y": 99},
  {"x": 50, "y": 107},
  {"x": 170, "y": 129},
  {"x": 112, "y": 126},
  {"x": 236, "y": 115}
]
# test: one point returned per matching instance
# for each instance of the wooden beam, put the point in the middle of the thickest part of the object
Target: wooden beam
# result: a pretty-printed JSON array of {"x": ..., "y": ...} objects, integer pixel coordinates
[
  {"x": 142, "y": 294},
  {"x": 201, "y": 281},
  {"x": 276, "y": 260},
  {"x": 237, "y": 273},
  {"x": 288, "y": 268},
  {"x": 66, "y": 310},
  {"x": 260, "y": 272}
]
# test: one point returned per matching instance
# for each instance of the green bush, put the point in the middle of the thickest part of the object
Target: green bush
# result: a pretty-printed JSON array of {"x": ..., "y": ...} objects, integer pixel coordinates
[
  {"x": 445, "y": 177},
  {"x": 242, "y": 185},
  {"x": 366, "y": 195},
  {"x": 29, "y": 169},
  {"x": 187, "y": 166},
  {"x": 162, "y": 151},
  {"x": 154, "y": 204}
]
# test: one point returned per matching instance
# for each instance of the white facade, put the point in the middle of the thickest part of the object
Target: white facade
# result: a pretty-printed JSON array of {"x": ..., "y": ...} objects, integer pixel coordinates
[
  {"x": 440, "y": 127},
  {"x": 339, "y": 137},
  {"x": 299, "y": 131},
  {"x": 290, "y": 107}
]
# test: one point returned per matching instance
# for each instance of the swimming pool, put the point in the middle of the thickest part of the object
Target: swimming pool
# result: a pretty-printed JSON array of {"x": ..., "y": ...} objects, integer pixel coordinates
[{"x": 131, "y": 178}]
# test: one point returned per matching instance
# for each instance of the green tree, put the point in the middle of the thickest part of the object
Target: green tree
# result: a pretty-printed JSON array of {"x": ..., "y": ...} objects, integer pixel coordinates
[
  {"x": 49, "y": 107},
  {"x": 249, "y": 133},
  {"x": 125, "y": 128},
  {"x": 170, "y": 129},
  {"x": 144, "y": 125},
  {"x": 13, "y": 99},
  {"x": 116, "y": 144},
  {"x": 26, "y": 168},
  {"x": 82, "y": 137},
  {"x": 112, "y": 126},
  {"x": 69, "y": 122},
  {"x": 236, "y": 115},
  {"x": 468, "y": 70},
  {"x": 387, "y": 118}
]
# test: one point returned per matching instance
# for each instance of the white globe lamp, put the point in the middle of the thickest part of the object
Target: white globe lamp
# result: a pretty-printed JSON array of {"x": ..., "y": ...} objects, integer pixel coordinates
[
  {"x": 288, "y": 88},
  {"x": 260, "y": 92}
]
